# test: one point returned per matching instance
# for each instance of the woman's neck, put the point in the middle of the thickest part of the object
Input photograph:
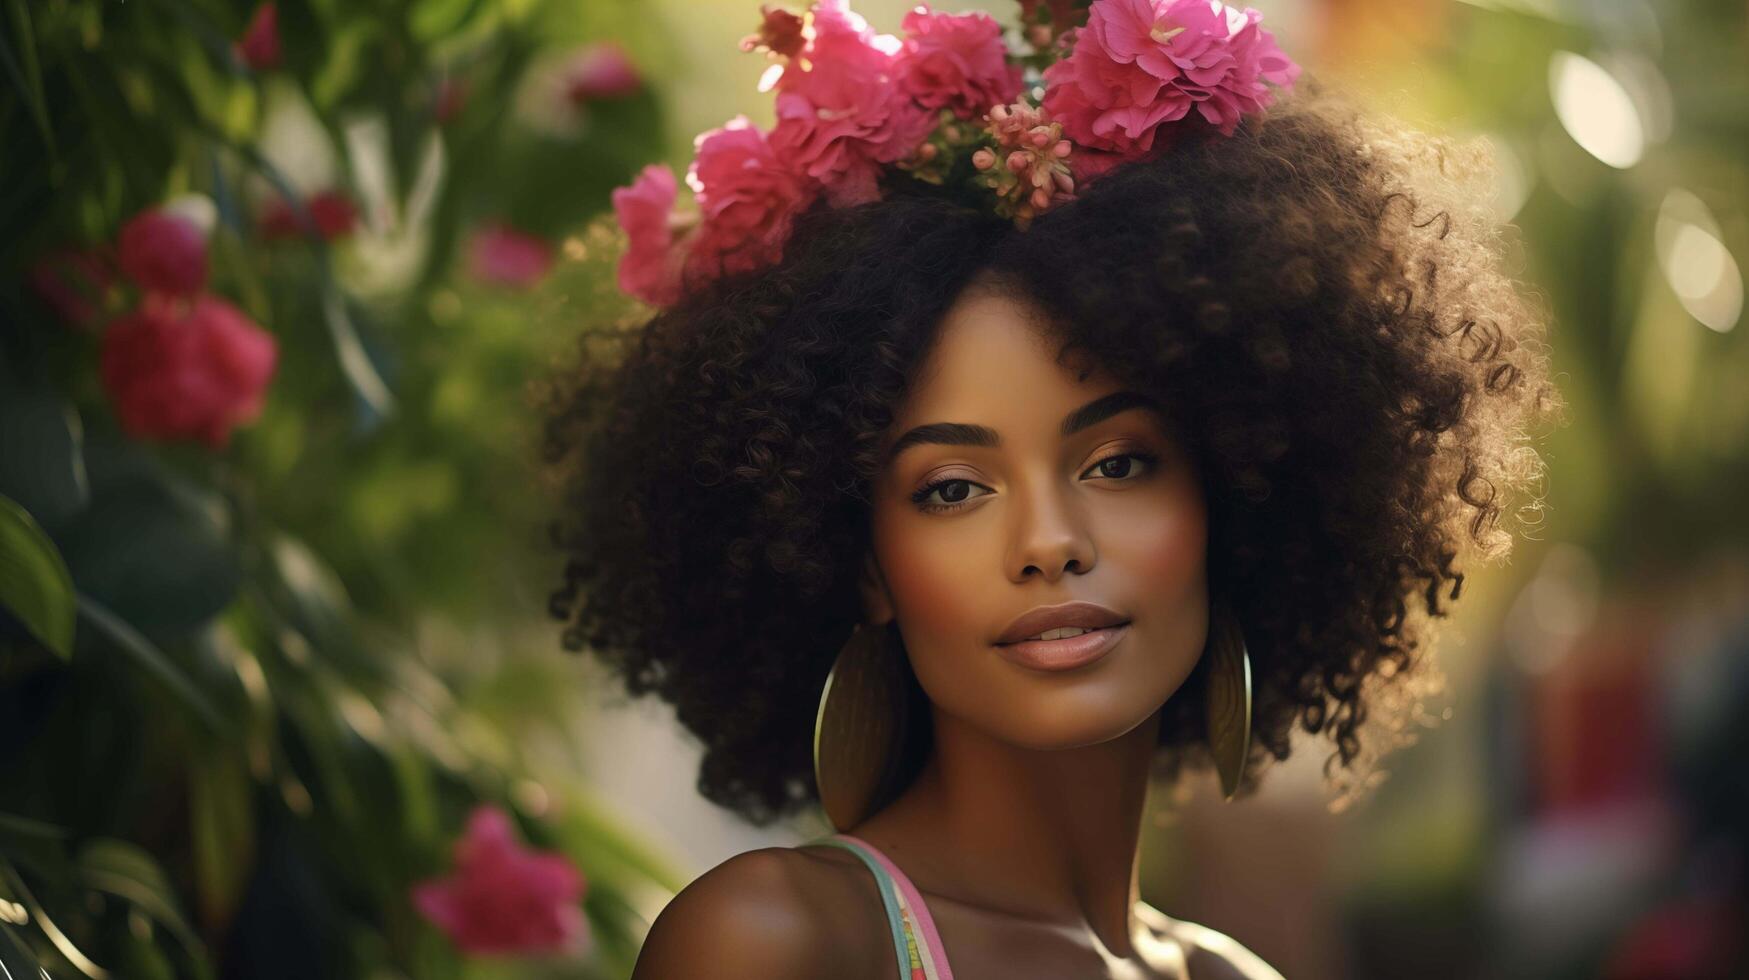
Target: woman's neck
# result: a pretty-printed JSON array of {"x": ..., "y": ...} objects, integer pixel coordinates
[{"x": 1050, "y": 836}]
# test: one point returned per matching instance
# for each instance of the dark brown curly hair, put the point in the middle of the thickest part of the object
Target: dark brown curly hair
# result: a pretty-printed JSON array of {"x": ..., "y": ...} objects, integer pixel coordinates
[{"x": 1360, "y": 380}]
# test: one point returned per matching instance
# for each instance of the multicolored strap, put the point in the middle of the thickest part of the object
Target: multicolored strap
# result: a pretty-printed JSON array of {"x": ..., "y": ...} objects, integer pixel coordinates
[{"x": 916, "y": 942}]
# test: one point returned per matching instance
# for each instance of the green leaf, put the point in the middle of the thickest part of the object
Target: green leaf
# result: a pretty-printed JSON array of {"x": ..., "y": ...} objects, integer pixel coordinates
[
  {"x": 35, "y": 585},
  {"x": 222, "y": 823},
  {"x": 128, "y": 872},
  {"x": 43, "y": 467},
  {"x": 129, "y": 641},
  {"x": 27, "y": 74}
]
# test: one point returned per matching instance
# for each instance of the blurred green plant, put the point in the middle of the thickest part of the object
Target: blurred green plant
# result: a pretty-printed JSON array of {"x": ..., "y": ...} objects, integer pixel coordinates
[{"x": 250, "y": 687}]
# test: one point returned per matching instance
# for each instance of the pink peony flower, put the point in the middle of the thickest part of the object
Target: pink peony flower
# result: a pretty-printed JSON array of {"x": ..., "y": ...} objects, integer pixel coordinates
[
  {"x": 259, "y": 46},
  {"x": 652, "y": 265},
  {"x": 956, "y": 61},
  {"x": 503, "y": 897},
  {"x": 1137, "y": 64},
  {"x": 333, "y": 212},
  {"x": 162, "y": 251},
  {"x": 73, "y": 283},
  {"x": 748, "y": 199},
  {"x": 840, "y": 112},
  {"x": 601, "y": 71},
  {"x": 186, "y": 370},
  {"x": 499, "y": 254}
]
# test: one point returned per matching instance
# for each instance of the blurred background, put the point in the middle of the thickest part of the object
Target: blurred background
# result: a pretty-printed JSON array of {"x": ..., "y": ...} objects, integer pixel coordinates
[{"x": 278, "y": 693}]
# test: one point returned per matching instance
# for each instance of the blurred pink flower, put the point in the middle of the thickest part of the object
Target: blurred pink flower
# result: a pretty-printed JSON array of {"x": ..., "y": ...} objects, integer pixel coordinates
[
  {"x": 178, "y": 369},
  {"x": 748, "y": 199},
  {"x": 503, "y": 897},
  {"x": 779, "y": 34},
  {"x": 499, "y": 254},
  {"x": 1137, "y": 64},
  {"x": 259, "y": 46},
  {"x": 164, "y": 252},
  {"x": 333, "y": 212},
  {"x": 73, "y": 283},
  {"x": 844, "y": 116},
  {"x": 651, "y": 267},
  {"x": 601, "y": 71},
  {"x": 956, "y": 61}
]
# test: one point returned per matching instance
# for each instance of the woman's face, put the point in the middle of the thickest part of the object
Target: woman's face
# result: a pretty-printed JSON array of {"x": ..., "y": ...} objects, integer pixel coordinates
[{"x": 1034, "y": 485}]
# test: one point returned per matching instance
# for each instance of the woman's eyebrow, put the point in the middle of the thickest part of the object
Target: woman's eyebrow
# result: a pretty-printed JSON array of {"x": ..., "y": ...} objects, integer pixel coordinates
[{"x": 965, "y": 434}]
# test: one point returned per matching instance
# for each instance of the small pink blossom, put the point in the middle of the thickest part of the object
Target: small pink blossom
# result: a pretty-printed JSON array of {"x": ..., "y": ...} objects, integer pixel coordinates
[
  {"x": 332, "y": 211},
  {"x": 259, "y": 46},
  {"x": 651, "y": 267},
  {"x": 840, "y": 112},
  {"x": 956, "y": 61},
  {"x": 503, "y": 897},
  {"x": 499, "y": 254},
  {"x": 186, "y": 370},
  {"x": 74, "y": 283},
  {"x": 748, "y": 199},
  {"x": 601, "y": 71},
  {"x": 162, "y": 251},
  {"x": 1138, "y": 64}
]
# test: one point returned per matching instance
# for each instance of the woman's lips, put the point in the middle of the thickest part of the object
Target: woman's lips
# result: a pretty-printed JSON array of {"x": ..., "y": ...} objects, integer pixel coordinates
[{"x": 1064, "y": 654}]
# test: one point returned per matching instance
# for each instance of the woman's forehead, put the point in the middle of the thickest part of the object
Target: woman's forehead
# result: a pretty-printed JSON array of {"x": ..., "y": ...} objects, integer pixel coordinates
[{"x": 996, "y": 353}]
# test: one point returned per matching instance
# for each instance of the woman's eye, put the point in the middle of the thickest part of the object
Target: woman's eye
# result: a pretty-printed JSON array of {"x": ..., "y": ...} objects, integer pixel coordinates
[
  {"x": 952, "y": 493},
  {"x": 1123, "y": 466}
]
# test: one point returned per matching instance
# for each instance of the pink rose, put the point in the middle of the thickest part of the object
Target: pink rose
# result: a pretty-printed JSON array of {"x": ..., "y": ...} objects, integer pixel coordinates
[
  {"x": 956, "y": 61},
  {"x": 333, "y": 212},
  {"x": 748, "y": 199},
  {"x": 73, "y": 283},
  {"x": 499, "y": 254},
  {"x": 601, "y": 71},
  {"x": 651, "y": 267},
  {"x": 1137, "y": 64},
  {"x": 162, "y": 251},
  {"x": 844, "y": 116},
  {"x": 259, "y": 46},
  {"x": 186, "y": 370},
  {"x": 503, "y": 897}
]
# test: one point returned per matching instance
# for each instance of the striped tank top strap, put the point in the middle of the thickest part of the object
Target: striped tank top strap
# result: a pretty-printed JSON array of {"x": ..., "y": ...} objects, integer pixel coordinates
[
  {"x": 904, "y": 945},
  {"x": 926, "y": 944}
]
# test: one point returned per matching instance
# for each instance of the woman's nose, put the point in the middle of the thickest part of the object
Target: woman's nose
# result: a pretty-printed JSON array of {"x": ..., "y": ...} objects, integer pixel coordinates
[{"x": 1050, "y": 537}]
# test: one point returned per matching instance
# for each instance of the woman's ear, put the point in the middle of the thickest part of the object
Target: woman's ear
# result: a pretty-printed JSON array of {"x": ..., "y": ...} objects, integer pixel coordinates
[{"x": 877, "y": 599}]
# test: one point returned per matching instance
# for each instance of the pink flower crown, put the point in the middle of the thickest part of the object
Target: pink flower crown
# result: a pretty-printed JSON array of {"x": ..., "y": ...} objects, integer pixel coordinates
[{"x": 1119, "y": 78}]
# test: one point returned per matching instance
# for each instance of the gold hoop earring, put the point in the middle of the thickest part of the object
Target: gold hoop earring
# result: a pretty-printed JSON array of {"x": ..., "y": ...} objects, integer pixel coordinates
[
  {"x": 862, "y": 725},
  {"x": 1228, "y": 700}
]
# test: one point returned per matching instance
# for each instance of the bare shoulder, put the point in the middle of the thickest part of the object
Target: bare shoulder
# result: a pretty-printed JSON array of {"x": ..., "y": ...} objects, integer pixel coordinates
[
  {"x": 766, "y": 914},
  {"x": 1210, "y": 955},
  {"x": 749, "y": 916}
]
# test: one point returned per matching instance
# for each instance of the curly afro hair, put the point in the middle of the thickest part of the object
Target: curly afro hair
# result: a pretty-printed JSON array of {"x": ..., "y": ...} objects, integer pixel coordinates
[{"x": 1359, "y": 377}]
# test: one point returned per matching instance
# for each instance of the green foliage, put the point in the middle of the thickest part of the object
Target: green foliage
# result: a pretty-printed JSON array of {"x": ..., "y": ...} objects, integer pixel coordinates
[{"x": 248, "y": 695}]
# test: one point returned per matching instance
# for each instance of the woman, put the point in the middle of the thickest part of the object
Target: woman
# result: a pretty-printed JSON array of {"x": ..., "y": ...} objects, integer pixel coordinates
[{"x": 1068, "y": 493}]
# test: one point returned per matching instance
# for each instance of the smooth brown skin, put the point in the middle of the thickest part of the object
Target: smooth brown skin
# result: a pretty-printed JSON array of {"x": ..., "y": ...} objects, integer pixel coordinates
[{"x": 1023, "y": 827}]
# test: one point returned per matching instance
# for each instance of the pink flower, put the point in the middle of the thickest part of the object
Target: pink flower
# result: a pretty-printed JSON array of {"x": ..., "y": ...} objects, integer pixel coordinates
[
  {"x": 779, "y": 34},
  {"x": 601, "y": 71},
  {"x": 73, "y": 283},
  {"x": 499, "y": 254},
  {"x": 748, "y": 199},
  {"x": 503, "y": 897},
  {"x": 956, "y": 61},
  {"x": 652, "y": 264},
  {"x": 1140, "y": 63},
  {"x": 162, "y": 251},
  {"x": 333, "y": 212},
  {"x": 259, "y": 46},
  {"x": 840, "y": 112},
  {"x": 186, "y": 370}
]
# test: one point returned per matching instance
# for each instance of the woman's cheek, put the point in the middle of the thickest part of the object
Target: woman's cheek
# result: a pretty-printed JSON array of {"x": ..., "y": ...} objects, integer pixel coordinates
[{"x": 931, "y": 572}]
